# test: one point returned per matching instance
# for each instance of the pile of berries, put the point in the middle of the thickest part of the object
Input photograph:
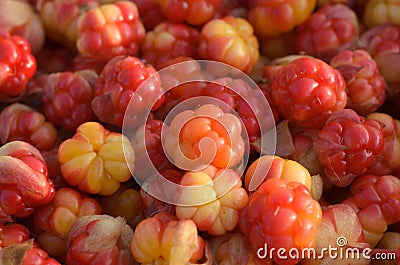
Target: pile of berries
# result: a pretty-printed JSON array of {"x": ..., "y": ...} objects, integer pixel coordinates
[{"x": 209, "y": 132}]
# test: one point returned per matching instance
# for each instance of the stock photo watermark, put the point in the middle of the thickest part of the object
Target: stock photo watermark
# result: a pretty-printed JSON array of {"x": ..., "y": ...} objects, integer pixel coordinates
[
  {"x": 189, "y": 111},
  {"x": 340, "y": 251}
]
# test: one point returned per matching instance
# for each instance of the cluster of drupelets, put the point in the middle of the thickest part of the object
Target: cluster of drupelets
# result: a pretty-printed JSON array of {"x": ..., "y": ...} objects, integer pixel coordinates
[{"x": 76, "y": 75}]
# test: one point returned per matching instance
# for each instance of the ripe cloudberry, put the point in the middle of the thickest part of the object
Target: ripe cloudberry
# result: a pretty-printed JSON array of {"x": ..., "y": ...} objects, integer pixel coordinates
[
  {"x": 96, "y": 160},
  {"x": 230, "y": 40},
  {"x": 151, "y": 13},
  {"x": 162, "y": 239},
  {"x": 67, "y": 98},
  {"x": 269, "y": 166},
  {"x": 23, "y": 123},
  {"x": 383, "y": 44},
  {"x": 278, "y": 46},
  {"x": 169, "y": 40},
  {"x": 347, "y": 146},
  {"x": 270, "y": 18},
  {"x": 99, "y": 239},
  {"x": 17, "y": 65},
  {"x": 52, "y": 222},
  {"x": 110, "y": 30},
  {"x": 330, "y": 29},
  {"x": 389, "y": 160},
  {"x": 365, "y": 86},
  {"x": 238, "y": 95},
  {"x": 378, "y": 12},
  {"x": 281, "y": 214},
  {"x": 60, "y": 18},
  {"x": 124, "y": 202},
  {"x": 24, "y": 181},
  {"x": 117, "y": 86},
  {"x": 224, "y": 195},
  {"x": 307, "y": 91},
  {"x": 376, "y": 200},
  {"x": 246, "y": 102},
  {"x": 205, "y": 136},
  {"x": 194, "y": 12}
]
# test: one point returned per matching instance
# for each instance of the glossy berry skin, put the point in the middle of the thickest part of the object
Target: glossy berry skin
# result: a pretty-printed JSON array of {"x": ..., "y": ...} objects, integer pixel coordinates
[
  {"x": 148, "y": 145},
  {"x": 330, "y": 29},
  {"x": 376, "y": 200},
  {"x": 281, "y": 214},
  {"x": 307, "y": 90},
  {"x": 24, "y": 181},
  {"x": 381, "y": 39},
  {"x": 52, "y": 222},
  {"x": 110, "y": 30},
  {"x": 268, "y": 166},
  {"x": 379, "y": 12},
  {"x": 117, "y": 86},
  {"x": 151, "y": 13},
  {"x": 16, "y": 239},
  {"x": 59, "y": 19},
  {"x": 230, "y": 40},
  {"x": 205, "y": 136},
  {"x": 38, "y": 256},
  {"x": 13, "y": 233},
  {"x": 239, "y": 96},
  {"x": 347, "y": 146},
  {"x": 383, "y": 44},
  {"x": 162, "y": 239},
  {"x": 365, "y": 86},
  {"x": 99, "y": 239},
  {"x": 270, "y": 18},
  {"x": 246, "y": 102},
  {"x": 225, "y": 199},
  {"x": 21, "y": 122},
  {"x": 17, "y": 65},
  {"x": 194, "y": 12},
  {"x": 67, "y": 98},
  {"x": 124, "y": 202},
  {"x": 389, "y": 161},
  {"x": 169, "y": 40},
  {"x": 96, "y": 160}
]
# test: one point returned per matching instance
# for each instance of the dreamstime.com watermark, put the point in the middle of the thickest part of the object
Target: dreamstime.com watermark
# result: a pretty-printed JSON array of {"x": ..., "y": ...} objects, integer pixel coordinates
[
  {"x": 340, "y": 251},
  {"x": 191, "y": 74}
]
